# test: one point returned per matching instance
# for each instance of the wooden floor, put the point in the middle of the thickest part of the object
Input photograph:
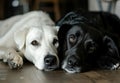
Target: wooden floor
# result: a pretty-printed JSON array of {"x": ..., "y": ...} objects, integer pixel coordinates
[{"x": 29, "y": 74}]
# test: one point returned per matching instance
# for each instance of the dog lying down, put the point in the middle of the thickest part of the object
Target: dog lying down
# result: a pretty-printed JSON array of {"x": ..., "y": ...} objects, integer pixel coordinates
[
  {"x": 89, "y": 40},
  {"x": 33, "y": 36}
]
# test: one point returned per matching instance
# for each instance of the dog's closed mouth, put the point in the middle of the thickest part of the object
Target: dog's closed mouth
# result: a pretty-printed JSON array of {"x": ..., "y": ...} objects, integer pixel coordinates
[
  {"x": 72, "y": 70},
  {"x": 50, "y": 68}
]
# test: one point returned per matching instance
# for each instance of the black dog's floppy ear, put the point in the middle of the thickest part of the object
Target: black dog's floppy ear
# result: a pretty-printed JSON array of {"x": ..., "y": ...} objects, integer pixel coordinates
[
  {"x": 62, "y": 39},
  {"x": 112, "y": 48},
  {"x": 63, "y": 30}
]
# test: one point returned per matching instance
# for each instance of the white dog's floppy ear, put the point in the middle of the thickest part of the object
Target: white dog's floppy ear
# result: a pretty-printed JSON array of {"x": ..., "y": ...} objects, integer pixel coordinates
[
  {"x": 20, "y": 38},
  {"x": 57, "y": 27}
]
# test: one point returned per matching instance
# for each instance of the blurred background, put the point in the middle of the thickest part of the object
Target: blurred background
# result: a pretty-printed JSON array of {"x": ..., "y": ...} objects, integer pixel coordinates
[{"x": 56, "y": 8}]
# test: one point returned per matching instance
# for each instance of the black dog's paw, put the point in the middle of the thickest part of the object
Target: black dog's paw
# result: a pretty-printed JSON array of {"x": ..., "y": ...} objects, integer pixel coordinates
[
  {"x": 108, "y": 63},
  {"x": 116, "y": 66}
]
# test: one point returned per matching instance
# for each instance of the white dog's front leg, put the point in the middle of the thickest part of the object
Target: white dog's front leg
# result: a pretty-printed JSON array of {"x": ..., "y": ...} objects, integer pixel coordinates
[{"x": 12, "y": 57}]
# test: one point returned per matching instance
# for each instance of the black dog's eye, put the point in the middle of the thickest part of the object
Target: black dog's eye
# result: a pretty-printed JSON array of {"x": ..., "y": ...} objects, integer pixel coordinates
[
  {"x": 72, "y": 38},
  {"x": 35, "y": 43},
  {"x": 55, "y": 42}
]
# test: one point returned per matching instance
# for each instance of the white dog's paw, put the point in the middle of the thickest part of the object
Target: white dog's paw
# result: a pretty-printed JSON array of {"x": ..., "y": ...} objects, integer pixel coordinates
[
  {"x": 14, "y": 60},
  {"x": 15, "y": 63}
]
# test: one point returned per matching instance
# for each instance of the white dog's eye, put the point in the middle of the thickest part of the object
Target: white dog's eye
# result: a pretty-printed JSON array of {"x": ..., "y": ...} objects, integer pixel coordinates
[
  {"x": 55, "y": 42},
  {"x": 35, "y": 43}
]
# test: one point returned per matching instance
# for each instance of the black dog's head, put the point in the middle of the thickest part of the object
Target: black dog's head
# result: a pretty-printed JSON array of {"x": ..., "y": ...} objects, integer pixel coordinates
[{"x": 81, "y": 43}]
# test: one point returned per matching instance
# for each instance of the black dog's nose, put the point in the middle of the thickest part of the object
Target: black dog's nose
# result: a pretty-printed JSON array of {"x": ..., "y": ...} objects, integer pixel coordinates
[
  {"x": 73, "y": 61},
  {"x": 50, "y": 60}
]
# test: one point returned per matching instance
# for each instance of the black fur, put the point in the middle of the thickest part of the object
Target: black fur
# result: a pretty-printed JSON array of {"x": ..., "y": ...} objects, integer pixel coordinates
[{"x": 89, "y": 40}]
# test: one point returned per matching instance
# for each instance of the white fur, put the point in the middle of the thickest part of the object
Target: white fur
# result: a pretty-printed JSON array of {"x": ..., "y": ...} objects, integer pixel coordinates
[{"x": 18, "y": 32}]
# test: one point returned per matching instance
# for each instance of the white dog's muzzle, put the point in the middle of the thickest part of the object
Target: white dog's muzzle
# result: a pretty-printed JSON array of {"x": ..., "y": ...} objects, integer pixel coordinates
[{"x": 50, "y": 62}]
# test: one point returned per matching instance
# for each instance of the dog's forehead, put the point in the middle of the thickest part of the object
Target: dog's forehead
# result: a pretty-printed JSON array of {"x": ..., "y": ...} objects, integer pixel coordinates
[
  {"x": 75, "y": 29},
  {"x": 34, "y": 33},
  {"x": 36, "y": 30},
  {"x": 50, "y": 32}
]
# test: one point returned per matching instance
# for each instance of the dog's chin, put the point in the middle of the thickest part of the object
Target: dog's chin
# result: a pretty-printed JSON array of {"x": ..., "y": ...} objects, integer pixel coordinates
[
  {"x": 50, "y": 68},
  {"x": 72, "y": 70},
  {"x": 47, "y": 68},
  {"x": 75, "y": 69}
]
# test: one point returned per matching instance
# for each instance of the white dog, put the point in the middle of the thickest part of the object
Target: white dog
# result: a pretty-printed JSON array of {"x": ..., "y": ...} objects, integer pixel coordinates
[{"x": 33, "y": 36}]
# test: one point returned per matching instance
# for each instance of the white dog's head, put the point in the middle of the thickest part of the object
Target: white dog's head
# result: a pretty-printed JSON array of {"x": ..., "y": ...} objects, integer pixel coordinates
[{"x": 39, "y": 45}]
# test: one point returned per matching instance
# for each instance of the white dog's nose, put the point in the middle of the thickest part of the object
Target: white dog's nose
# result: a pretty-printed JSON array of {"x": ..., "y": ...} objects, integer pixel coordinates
[{"x": 50, "y": 62}]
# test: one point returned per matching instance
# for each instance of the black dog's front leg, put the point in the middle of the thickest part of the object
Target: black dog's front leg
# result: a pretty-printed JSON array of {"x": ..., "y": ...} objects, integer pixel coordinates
[{"x": 107, "y": 62}]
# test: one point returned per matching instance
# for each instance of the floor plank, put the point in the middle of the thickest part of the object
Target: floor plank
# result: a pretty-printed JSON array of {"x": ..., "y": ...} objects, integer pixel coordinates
[{"x": 30, "y": 74}]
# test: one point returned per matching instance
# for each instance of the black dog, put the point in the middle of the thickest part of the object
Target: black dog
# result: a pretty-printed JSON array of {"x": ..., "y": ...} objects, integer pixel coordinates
[{"x": 89, "y": 40}]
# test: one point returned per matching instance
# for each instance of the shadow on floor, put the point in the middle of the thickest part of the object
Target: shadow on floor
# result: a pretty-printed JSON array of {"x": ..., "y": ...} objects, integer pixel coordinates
[{"x": 29, "y": 74}]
